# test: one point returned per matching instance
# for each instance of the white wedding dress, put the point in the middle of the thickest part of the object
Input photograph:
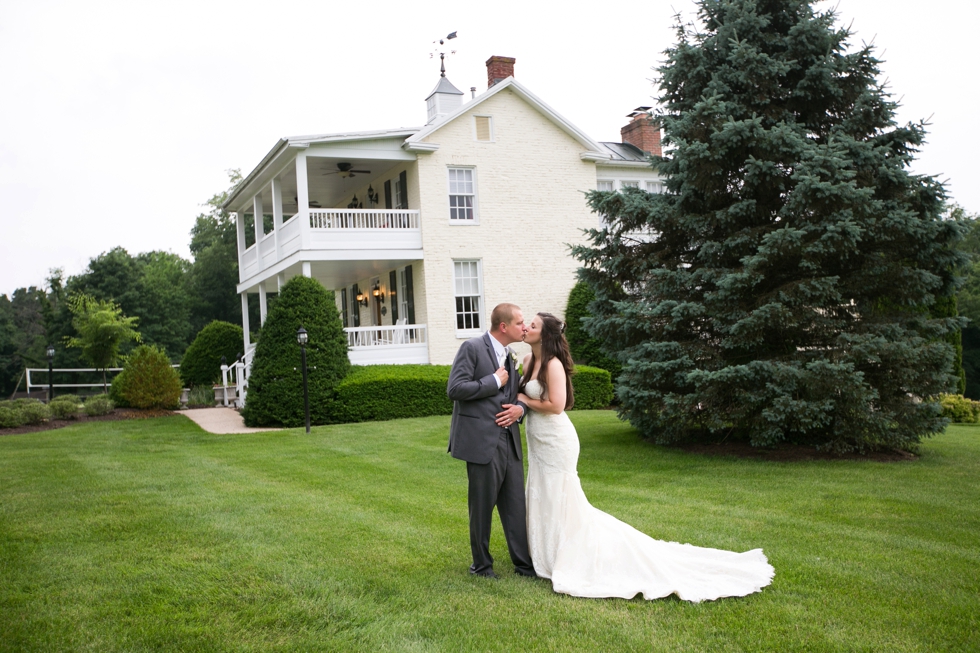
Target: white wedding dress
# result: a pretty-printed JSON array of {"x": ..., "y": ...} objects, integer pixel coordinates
[{"x": 586, "y": 552}]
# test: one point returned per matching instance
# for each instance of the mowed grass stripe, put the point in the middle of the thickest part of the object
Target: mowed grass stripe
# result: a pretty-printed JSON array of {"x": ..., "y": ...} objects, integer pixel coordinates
[{"x": 154, "y": 535}]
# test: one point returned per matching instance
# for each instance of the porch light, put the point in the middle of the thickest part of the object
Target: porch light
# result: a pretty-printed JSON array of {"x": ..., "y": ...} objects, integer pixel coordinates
[
  {"x": 378, "y": 293},
  {"x": 372, "y": 195},
  {"x": 362, "y": 299}
]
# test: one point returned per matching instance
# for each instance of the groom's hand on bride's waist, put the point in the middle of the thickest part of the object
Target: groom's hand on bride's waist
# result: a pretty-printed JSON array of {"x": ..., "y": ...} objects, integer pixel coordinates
[{"x": 510, "y": 414}]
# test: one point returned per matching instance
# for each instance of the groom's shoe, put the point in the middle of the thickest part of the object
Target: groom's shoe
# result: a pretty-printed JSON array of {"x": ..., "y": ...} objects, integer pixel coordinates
[
  {"x": 526, "y": 574},
  {"x": 486, "y": 574}
]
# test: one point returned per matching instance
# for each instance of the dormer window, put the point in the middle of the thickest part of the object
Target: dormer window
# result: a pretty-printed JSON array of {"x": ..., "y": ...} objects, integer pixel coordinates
[{"x": 484, "y": 128}]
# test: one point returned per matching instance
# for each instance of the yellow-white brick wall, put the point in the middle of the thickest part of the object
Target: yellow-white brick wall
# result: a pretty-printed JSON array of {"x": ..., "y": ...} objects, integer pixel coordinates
[{"x": 530, "y": 204}]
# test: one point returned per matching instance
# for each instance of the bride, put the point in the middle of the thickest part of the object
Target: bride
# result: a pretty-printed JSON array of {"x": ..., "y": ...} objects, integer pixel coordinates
[{"x": 584, "y": 551}]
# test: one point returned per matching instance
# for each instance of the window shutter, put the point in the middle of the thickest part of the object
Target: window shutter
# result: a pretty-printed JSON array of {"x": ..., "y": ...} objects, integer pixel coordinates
[
  {"x": 392, "y": 297},
  {"x": 483, "y": 128},
  {"x": 344, "y": 315},
  {"x": 403, "y": 199},
  {"x": 388, "y": 194},
  {"x": 355, "y": 308},
  {"x": 409, "y": 295}
]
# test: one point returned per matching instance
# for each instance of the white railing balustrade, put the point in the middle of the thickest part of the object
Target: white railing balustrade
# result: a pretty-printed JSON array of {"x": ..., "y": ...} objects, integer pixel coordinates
[
  {"x": 364, "y": 219},
  {"x": 385, "y": 336}
]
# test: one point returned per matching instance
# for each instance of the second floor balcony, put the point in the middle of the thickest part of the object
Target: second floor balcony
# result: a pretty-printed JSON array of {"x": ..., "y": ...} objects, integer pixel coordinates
[{"x": 334, "y": 234}]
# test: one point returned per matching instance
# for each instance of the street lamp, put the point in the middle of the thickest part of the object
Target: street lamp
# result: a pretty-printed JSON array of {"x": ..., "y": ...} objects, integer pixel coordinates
[
  {"x": 302, "y": 338},
  {"x": 50, "y": 353}
]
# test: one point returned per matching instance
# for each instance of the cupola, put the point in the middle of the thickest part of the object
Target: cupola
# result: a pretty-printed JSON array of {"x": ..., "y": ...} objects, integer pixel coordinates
[{"x": 443, "y": 100}]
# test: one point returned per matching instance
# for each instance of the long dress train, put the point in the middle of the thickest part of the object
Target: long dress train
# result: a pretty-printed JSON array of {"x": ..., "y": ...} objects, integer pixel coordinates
[{"x": 588, "y": 553}]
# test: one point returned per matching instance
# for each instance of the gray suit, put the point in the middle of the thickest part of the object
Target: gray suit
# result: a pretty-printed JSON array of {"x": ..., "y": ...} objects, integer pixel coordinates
[{"x": 492, "y": 453}]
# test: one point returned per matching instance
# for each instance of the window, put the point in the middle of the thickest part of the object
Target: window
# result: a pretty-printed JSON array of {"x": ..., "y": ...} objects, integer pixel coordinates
[
  {"x": 484, "y": 128},
  {"x": 466, "y": 278},
  {"x": 604, "y": 185},
  {"x": 631, "y": 184},
  {"x": 655, "y": 187},
  {"x": 402, "y": 294},
  {"x": 462, "y": 195}
]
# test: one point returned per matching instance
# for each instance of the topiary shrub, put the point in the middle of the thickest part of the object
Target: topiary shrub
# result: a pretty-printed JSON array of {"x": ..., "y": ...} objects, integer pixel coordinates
[
  {"x": 65, "y": 407},
  {"x": 593, "y": 388},
  {"x": 275, "y": 386},
  {"x": 148, "y": 380},
  {"x": 98, "y": 406},
  {"x": 959, "y": 409},
  {"x": 584, "y": 348},
  {"x": 382, "y": 392},
  {"x": 201, "y": 364}
]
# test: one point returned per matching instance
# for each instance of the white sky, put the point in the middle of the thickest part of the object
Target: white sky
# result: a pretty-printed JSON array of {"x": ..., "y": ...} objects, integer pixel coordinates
[{"x": 119, "y": 119}]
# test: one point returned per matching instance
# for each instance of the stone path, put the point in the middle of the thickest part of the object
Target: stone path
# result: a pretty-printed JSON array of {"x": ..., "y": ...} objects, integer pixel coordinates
[{"x": 221, "y": 420}]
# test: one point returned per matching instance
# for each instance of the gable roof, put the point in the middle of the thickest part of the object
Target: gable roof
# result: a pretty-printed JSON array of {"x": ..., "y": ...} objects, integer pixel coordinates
[{"x": 415, "y": 142}]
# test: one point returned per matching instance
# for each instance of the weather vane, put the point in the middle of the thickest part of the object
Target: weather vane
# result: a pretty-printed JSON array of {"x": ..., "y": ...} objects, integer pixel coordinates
[{"x": 442, "y": 55}]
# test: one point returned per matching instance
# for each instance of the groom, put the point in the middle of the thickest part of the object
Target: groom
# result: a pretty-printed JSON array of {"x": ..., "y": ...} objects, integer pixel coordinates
[{"x": 485, "y": 433}]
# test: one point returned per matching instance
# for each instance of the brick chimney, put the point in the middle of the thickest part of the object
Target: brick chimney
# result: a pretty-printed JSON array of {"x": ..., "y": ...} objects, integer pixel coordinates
[
  {"x": 642, "y": 131},
  {"x": 499, "y": 69}
]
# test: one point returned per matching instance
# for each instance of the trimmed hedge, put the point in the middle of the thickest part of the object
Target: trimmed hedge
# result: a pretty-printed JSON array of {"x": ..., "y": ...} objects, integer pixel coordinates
[
  {"x": 65, "y": 407},
  {"x": 98, "y": 406},
  {"x": 201, "y": 364},
  {"x": 593, "y": 387},
  {"x": 275, "y": 387},
  {"x": 147, "y": 380},
  {"x": 585, "y": 349},
  {"x": 376, "y": 393}
]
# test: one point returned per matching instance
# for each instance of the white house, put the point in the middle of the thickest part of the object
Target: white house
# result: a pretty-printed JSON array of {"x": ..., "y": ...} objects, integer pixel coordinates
[{"x": 421, "y": 231}]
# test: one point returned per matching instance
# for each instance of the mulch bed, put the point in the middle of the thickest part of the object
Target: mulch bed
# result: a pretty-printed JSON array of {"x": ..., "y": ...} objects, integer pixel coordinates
[
  {"x": 790, "y": 452},
  {"x": 115, "y": 415}
]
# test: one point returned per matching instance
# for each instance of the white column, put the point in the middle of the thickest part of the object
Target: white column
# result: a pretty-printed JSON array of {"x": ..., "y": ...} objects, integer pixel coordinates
[
  {"x": 281, "y": 278},
  {"x": 276, "y": 211},
  {"x": 245, "y": 321},
  {"x": 240, "y": 229},
  {"x": 258, "y": 211},
  {"x": 307, "y": 269},
  {"x": 263, "y": 304},
  {"x": 303, "y": 200}
]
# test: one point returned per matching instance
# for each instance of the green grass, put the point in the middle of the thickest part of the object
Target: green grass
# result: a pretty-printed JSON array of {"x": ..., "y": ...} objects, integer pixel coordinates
[{"x": 153, "y": 535}]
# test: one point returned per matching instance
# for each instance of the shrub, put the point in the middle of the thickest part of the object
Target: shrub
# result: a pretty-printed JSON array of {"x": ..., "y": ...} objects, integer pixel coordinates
[
  {"x": 65, "y": 407},
  {"x": 10, "y": 416},
  {"x": 584, "y": 348},
  {"x": 275, "y": 387},
  {"x": 958, "y": 408},
  {"x": 383, "y": 392},
  {"x": 201, "y": 364},
  {"x": 32, "y": 411},
  {"x": 98, "y": 405},
  {"x": 201, "y": 395},
  {"x": 593, "y": 387},
  {"x": 148, "y": 380}
]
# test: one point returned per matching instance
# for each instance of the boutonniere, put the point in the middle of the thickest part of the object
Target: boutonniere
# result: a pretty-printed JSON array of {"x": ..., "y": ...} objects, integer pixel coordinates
[{"x": 513, "y": 357}]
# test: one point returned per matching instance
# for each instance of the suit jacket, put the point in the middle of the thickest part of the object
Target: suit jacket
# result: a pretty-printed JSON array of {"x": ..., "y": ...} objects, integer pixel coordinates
[{"x": 477, "y": 400}]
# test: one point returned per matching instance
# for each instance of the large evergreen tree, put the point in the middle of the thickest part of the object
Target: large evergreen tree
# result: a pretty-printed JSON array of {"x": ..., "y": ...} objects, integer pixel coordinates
[{"x": 786, "y": 291}]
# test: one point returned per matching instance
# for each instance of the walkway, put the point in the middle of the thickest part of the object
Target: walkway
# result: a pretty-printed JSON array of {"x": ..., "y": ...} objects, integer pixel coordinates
[{"x": 221, "y": 420}]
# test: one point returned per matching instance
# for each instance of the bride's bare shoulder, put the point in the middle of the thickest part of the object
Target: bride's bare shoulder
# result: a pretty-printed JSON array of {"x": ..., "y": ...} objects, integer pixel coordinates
[{"x": 527, "y": 359}]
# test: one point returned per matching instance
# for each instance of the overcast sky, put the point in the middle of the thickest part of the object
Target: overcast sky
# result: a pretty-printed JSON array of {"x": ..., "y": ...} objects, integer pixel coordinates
[{"x": 119, "y": 119}]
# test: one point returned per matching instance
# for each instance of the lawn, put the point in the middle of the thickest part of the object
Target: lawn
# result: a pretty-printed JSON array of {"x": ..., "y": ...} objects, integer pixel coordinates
[{"x": 152, "y": 535}]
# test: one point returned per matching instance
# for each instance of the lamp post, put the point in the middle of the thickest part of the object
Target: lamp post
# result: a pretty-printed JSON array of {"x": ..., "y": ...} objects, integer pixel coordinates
[
  {"x": 302, "y": 338},
  {"x": 50, "y": 353}
]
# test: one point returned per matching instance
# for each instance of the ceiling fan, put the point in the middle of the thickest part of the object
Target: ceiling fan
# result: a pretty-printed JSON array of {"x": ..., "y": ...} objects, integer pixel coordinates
[{"x": 345, "y": 170}]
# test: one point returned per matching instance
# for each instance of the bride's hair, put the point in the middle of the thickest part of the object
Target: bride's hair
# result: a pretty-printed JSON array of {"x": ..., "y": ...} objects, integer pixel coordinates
[{"x": 553, "y": 345}]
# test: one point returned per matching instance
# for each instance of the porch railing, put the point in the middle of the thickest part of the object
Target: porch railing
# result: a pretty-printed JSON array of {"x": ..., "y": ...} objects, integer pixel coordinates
[
  {"x": 385, "y": 336},
  {"x": 364, "y": 219}
]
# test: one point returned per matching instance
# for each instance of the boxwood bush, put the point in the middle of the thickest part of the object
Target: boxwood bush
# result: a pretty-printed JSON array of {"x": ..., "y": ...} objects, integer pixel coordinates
[
  {"x": 98, "y": 406},
  {"x": 593, "y": 387},
  {"x": 147, "y": 380},
  {"x": 65, "y": 407},
  {"x": 275, "y": 386},
  {"x": 32, "y": 411},
  {"x": 10, "y": 416},
  {"x": 201, "y": 364},
  {"x": 959, "y": 409},
  {"x": 383, "y": 392}
]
